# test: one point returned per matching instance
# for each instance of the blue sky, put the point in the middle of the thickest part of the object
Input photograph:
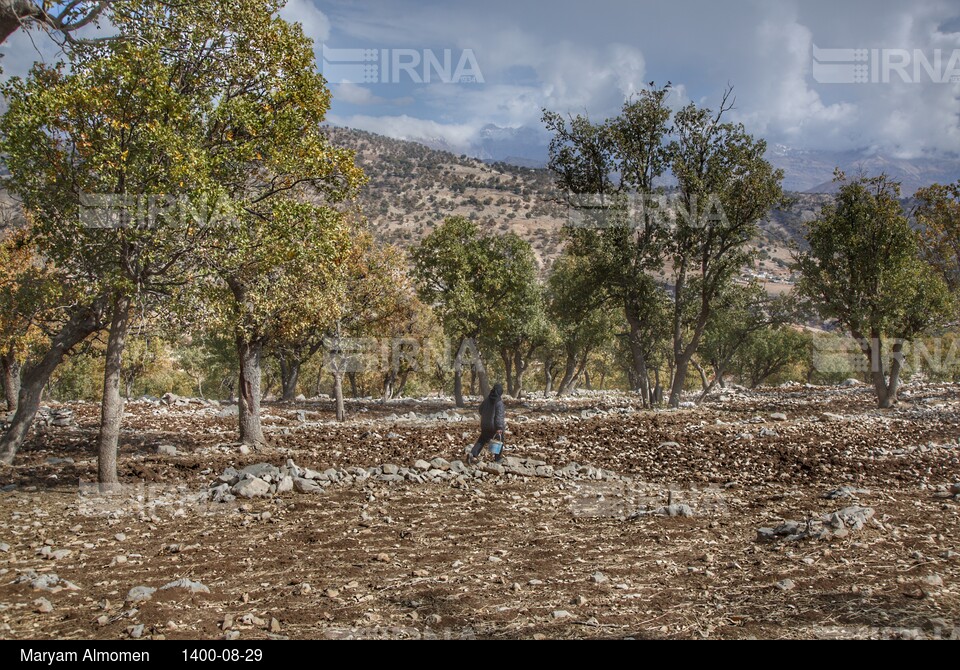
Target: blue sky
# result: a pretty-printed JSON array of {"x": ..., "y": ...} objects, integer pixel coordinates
[{"x": 588, "y": 56}]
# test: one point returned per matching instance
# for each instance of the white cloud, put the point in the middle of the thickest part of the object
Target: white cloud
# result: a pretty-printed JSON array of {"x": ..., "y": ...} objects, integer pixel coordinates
[
  {"x": 455, "y": 137},
  {"x": 315, "y": 23},
  {"x": 355, "y": 94}
]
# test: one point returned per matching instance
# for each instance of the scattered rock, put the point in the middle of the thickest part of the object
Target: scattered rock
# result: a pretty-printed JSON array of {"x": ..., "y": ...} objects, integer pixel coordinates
[
  {"x": 440, "y": 464},
  {"x": 42, "y": 605},
  {"x": 136, "y": 632},
  {"x": 261, "y": 471},
  {"x": 251, "y": 488},
  {"x": 561, "y": 614},
  {"x": 188, "y": 584},
  {"x": 845, "y": 492},
  {"x": 140, "y": 594},
  {"x": 48, "y": 581},
  {"x": 786, "y": 585},
  {"x": 778, "y": 416},
  {"x": 62, "y": 417},
  {"x": 303, "y": 485},
  {"x": 599, "y": 578},
  {"x": 167, "y": 450},
  {"x": 835, "y": 525},
  {"x": 53, "y": 460},
  {"x": 228, "y": 412},
  {"x": 676, "y": 510},
  {"x": 853, "y": 517}
]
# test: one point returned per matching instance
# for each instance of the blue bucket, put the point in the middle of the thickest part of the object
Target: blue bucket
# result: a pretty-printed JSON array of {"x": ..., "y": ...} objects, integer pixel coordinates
[{"x": 495, "y": 447}]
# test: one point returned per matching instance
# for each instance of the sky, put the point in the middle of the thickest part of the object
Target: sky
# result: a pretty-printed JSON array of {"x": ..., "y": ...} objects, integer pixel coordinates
[{"x": 588, "y": 57}]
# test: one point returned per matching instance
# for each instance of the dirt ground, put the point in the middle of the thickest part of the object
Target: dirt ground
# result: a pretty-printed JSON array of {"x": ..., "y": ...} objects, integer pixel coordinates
[{"x": 501, "y": 556}]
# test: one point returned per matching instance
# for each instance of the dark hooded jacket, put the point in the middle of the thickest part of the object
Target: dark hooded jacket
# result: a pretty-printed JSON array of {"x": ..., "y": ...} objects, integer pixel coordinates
[{"x": 492, "y": 413}]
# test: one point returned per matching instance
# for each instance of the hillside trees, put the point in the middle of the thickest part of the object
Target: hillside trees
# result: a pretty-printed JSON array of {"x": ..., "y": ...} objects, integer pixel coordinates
[
  {"x": 217, "y": 107},
  {"x": 629, "y": 231},
  {"x": 725, "y": 187},
  {"x": 517, "y": 326},
  {"x": 741, "y": 313},
  {"x": 864, "y": 270},
  {"x": 474, "y": 282},
  {"x": 27, "y": 292},
  {"x": 581, "y": 319},
  {"x": 938, "y": 217},
  {"x": 611, "y": 171}
]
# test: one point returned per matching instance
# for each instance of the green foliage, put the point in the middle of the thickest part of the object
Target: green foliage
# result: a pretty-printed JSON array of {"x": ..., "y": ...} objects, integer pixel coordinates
[
  {"x": 938, "y": 217},
  {"x": 742, "y": 313},
  {"x": 479, "y": 285},
  {"x": 864, "y": 269},
  {"x": 773, "y": 353},
  {"x": 581, "y": 322}
]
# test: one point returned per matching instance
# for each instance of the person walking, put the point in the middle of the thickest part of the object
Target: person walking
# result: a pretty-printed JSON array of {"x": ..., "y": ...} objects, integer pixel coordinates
[{"x": 493, "y": 423}]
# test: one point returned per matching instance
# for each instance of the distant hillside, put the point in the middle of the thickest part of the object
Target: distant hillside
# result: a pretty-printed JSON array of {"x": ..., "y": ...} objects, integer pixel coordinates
[
  {"x": 805, "y": 171},
  {"x": 413, "y": 188},
  {"x": 812, "y": 171}
]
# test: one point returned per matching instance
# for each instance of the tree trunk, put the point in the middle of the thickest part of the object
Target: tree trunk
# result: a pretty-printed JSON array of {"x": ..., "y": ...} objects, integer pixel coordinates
[
  {"x": 250, "y": 353},
  {"x": 388, "y": 381},
  {"x": 81, "y": 325},
  {"x": 704, "y": 382},
  {"x": 289, "y": 378},
  {"x": 570, "y": 373},
  {"x": 458, "y": 377},
  {"x": 679, "y": 379},
  {"x": 401, "y": 385},
  {"x": 111, "y": 408},
  {"x": 638, "y": 354},
  {"x": 338, "y": 395},
  {"x": 718, "y": 373},
  {"x": 11, "y": 380},
  {"x": 887, "y": 391},
  {"x": 547, "y": 376},
  {"x": 13, "y": 14},
  {"x": 519, "y": 368},
  {"x": 893, "y": 386},
  {"x": 482, "y": 377},
  {"x": 352, "y": 378},
  {"x": 586, "y": 380},
  {"x": 507, "y": 361},
  {"x": 657, "y": 398}
]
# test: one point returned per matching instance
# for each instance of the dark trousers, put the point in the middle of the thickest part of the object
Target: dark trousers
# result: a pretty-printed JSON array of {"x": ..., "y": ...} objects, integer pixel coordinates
[{"x": 482, "y": 442}]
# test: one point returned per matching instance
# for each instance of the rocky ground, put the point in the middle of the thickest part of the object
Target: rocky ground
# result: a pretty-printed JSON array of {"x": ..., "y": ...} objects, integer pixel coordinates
[{"x": 791, "y": 512}]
